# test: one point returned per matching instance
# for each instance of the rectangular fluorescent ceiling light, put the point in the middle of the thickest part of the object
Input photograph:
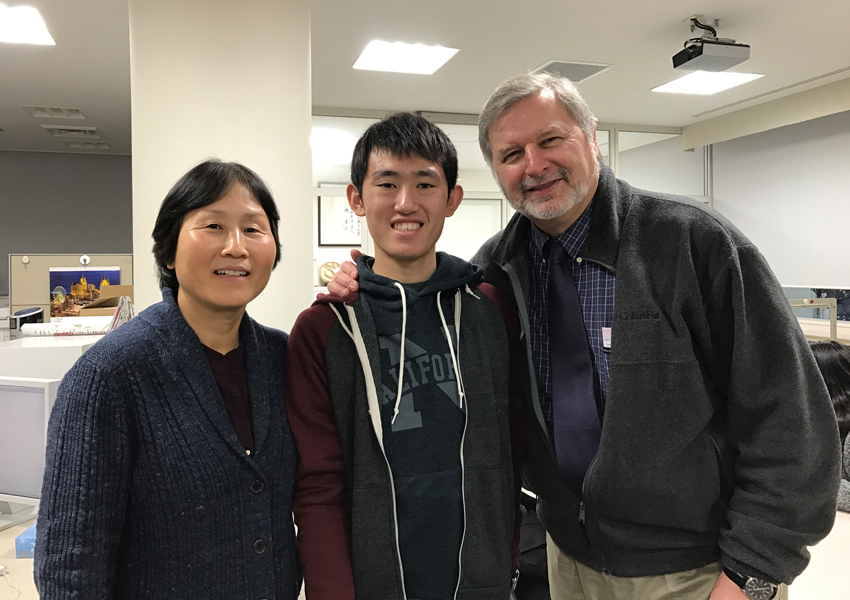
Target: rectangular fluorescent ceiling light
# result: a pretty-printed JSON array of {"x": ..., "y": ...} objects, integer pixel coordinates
[
  {"x": 705, "y": 83},
  {"x": 23, "y": 25},
  {"x": 399, "y": 57}
]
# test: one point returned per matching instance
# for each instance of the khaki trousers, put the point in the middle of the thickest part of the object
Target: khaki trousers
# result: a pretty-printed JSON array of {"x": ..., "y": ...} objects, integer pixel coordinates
[{"x": 571, "y": 580}]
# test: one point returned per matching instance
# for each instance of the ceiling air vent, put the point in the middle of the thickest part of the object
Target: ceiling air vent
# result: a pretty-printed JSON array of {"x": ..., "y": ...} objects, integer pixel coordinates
[
  {"x": 574, "y": 71},
  {"x": 88, "y": 145},
  {"x": 65, "y": 131},
  {"x": 53, "y": 112}
]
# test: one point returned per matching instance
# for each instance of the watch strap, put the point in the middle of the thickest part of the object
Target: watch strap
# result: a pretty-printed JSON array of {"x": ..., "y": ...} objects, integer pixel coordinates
[
  {"x": 741, "y": 581},
  {"x": 737, "y": 578}
]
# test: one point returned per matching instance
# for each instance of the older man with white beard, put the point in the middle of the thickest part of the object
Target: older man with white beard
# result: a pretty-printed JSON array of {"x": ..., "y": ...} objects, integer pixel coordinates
[{"x": 680, "y": 441}]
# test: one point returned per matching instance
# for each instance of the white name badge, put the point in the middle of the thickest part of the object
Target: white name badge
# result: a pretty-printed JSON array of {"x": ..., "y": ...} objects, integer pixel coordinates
[{"x": 606, "y": 338}]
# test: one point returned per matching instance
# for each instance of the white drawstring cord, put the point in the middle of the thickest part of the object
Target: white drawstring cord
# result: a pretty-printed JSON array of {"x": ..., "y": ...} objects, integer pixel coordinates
[
  {"x": 401, "y": 363},
  {"x": 460, "y": 394},
  {"x": 402, "y": 357},
  {"x": 460, "y": 387}
]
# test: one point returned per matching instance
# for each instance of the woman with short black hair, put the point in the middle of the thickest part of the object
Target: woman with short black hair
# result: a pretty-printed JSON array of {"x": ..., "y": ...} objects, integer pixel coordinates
[
  {"x": 834, "y": 362},
  {"x": 170, "y": 463}
]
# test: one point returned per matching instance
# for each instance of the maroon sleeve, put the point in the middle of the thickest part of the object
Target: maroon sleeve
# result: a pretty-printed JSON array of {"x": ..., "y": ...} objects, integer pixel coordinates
[
  {"x": 517, "y": 404},
  {"x": 329, "y": 297},
  {"x": 321, "y": 506}
]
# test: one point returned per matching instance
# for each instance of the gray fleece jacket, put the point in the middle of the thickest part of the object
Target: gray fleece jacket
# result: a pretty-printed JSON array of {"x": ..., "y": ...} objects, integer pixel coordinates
[{"x": 719, "y": 441}]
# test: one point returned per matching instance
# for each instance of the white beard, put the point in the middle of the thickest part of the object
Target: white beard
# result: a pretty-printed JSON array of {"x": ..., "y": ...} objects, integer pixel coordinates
[{"x": 545, "y": 209}]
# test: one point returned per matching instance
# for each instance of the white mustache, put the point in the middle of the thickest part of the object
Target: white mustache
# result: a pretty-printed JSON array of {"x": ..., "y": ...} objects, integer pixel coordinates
[{"x": 533, "y": 182}]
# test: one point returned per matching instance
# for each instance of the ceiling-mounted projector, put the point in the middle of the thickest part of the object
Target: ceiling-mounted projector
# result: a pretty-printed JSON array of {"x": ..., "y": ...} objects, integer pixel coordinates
[{"x": 710, "y": 55}]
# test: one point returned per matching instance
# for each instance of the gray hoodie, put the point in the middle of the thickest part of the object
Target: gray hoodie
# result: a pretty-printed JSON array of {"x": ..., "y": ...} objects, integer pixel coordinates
[
  {"x": 409, "y": 477},
  {"x": 423, "y": 416}
]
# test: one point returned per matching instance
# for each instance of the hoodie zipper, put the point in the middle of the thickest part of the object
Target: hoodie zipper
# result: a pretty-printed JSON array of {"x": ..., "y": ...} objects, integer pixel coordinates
[
  {"x": 463, "y": 500},
  {"x": 461, "y": 400},
  {"x": 357, "y": 337},
  {"x": 395, "y": 524},
  {"x": 374, "y": 409}
]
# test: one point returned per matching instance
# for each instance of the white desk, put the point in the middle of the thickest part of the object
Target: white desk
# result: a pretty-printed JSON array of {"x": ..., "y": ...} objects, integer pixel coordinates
[
  {"x": 20, "y": 569},
  {"x": 47, "y": 357}
]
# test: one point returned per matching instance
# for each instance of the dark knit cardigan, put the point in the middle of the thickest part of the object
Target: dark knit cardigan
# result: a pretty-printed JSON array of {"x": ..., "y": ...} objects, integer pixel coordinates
[{"x": 147, "y": 491}]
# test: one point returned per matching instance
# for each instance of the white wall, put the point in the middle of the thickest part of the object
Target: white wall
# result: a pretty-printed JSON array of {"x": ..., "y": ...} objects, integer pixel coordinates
[
  {"x": 477, "y": 180},
  {"x": 788, "y": 190},
  {"x": 474, "y": 222},
  {"x": 663, "y": 167},
  {"x": 229, "y": 80}
]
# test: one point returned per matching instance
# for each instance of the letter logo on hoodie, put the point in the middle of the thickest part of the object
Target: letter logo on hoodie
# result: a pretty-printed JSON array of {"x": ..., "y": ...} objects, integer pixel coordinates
[{"x": 421, "y": 368}]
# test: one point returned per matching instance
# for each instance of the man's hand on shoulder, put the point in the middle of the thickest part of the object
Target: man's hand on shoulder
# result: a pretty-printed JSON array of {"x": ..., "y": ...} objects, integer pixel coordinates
[
  {"x": 726, "y": 589},
  {"x": 344, "y": 283}
]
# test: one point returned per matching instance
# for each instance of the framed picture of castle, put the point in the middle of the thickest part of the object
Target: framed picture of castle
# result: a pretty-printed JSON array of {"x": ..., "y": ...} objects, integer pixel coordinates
[{"x": 72, "y": 288}]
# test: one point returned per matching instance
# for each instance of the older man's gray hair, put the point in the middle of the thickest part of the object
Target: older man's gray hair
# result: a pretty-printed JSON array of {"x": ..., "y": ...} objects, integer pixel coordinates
[{"x": 525, "y": 86}]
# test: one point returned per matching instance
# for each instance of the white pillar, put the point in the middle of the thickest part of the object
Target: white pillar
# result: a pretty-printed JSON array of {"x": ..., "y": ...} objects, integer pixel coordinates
[{"x": 217, "y": 78}]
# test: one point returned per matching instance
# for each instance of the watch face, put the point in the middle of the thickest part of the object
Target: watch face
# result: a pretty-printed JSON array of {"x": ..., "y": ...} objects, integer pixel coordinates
[{"x": 758, "y": 589}]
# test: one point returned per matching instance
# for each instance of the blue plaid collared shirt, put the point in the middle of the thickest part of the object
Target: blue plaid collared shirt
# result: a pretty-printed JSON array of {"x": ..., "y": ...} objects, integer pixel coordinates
[{"x": 595, "y": 286}]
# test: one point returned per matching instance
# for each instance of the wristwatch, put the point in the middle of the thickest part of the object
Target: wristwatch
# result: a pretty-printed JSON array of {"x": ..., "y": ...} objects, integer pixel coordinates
[{"x": 753, "y": 587}]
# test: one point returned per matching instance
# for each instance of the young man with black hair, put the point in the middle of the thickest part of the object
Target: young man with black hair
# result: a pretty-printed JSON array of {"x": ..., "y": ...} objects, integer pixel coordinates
[{"x": 405, "y": 406}]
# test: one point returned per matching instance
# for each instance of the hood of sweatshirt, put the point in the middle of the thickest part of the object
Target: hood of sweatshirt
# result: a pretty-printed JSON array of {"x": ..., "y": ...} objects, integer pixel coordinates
[
  {"x": 452, "y": 273},
  {"x": 426, "y": 313},
  {"x": 429, "y": 311}
]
